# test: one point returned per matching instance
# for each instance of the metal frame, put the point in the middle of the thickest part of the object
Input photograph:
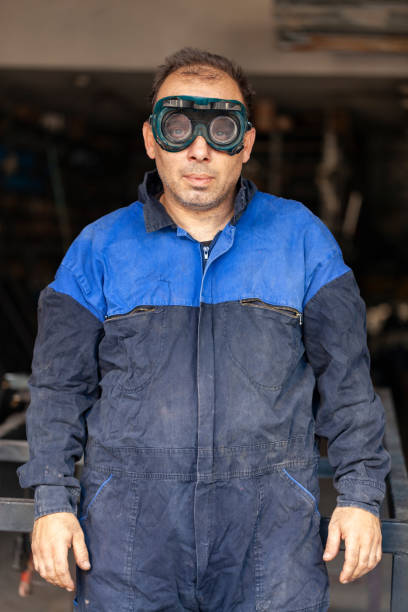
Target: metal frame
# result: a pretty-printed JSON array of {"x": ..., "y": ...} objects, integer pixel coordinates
[
  {"x": 18, "y": 514},
  {"x": 394, "y": 530}
]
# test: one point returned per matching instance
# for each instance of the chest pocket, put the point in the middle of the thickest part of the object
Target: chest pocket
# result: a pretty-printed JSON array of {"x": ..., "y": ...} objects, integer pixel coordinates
[
  {"x": 138, "y": 340},
  {"x": 264, "y": 341}
]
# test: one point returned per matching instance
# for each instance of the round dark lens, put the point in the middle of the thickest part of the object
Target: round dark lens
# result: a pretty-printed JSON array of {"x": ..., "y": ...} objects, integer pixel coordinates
[
  {"x": 177, "y": 127},
  {"x": 223, "y": 130}
]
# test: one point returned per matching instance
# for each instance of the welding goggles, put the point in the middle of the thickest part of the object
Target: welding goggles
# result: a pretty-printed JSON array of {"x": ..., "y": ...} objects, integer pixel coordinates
[{"x": 177, "y": 121}]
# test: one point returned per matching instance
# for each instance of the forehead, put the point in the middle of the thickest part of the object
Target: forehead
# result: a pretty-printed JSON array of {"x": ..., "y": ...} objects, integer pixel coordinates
[{"x": 213, "y": 84}]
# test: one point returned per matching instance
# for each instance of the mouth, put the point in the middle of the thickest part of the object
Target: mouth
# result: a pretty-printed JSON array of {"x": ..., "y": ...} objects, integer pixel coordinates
[{"x": 198, "y": 179}]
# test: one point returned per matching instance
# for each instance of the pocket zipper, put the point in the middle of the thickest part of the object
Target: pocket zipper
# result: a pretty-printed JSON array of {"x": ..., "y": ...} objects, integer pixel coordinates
[
  {"x": 286, "y": 310},
  {"x": 131, "y": 312},
  {"x": 105, "y": 482},
  {"x": 297, "y": 483}
]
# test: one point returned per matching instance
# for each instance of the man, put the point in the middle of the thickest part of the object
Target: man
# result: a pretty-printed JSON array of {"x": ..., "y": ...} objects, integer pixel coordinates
[{"x": 206, "y": 312}]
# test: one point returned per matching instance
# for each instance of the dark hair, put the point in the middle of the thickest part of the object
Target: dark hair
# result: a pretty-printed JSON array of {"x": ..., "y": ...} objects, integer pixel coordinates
[{"x": 194, "y": 60}]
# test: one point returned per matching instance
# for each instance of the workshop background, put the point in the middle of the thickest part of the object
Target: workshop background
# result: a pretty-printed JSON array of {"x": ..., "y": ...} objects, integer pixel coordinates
[{"x": 331, "y": 109}]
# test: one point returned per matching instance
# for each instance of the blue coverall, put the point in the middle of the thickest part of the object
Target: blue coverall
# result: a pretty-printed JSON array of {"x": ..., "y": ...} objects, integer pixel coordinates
[{"x": 198, "y": 399}]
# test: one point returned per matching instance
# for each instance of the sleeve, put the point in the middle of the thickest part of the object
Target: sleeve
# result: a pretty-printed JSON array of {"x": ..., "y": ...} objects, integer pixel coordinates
[
  {"x": 349, "y": 414},
  {"x": 63, "y": 385}
]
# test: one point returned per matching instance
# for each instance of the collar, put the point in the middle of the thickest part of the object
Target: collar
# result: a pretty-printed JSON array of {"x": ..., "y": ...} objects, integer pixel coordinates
[{"x": 156, "y": 216}]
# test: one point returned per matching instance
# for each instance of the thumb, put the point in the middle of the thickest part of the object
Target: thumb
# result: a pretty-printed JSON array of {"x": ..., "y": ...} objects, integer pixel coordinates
[
  {"x": 333, "y": 542},
  {"x": 80, "y": 550}
]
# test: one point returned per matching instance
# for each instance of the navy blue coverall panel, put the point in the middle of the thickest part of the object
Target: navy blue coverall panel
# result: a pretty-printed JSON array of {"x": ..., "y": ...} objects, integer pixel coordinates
[{"x": 191, "y": 391}]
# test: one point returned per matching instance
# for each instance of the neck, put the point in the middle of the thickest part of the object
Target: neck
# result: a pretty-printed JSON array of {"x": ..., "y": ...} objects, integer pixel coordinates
[{"x": 200, "y": 224}]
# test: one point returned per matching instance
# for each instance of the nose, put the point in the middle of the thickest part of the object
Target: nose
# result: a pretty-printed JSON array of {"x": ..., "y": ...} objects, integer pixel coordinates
[{"x": 199, "y": 149}]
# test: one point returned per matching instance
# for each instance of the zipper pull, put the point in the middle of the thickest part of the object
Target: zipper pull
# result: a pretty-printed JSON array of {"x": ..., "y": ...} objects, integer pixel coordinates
[{"x": 206, "y": 250}]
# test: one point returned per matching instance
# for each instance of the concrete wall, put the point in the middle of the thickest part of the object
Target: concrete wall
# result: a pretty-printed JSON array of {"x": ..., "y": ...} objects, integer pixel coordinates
[{"x": 137, "y": 34}]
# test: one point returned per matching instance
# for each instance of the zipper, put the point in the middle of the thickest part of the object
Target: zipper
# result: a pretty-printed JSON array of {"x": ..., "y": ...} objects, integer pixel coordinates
[
  {"x": 206, "y": 250},
  {"x": 286, "y": 310},
  {"x": 132, "y": 312}
]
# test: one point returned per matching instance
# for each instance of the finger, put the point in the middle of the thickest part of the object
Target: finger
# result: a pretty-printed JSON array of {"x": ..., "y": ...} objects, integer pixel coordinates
[
  {"x": 80, "y": 550},
  {"x": 363, "y": 560},
  {"x": 40, "y": 569},
  {"x": 373, "y": 561},
  {"x": 351, "y": 559},
  {"x": 46, "y": 570},
  {"x": 379, "y": 550},
  {"x": 35, "y": 563},
  {"x": 333, "y": 542},
  {"x": 50, "y": 563},
  {"x": 376, "y": 553},
  {"x": 370, "y": 556},
  {"x": 40, "y": 556},
  {"x": 62, "y": 574},
  {"x": 35, "y": 555}
]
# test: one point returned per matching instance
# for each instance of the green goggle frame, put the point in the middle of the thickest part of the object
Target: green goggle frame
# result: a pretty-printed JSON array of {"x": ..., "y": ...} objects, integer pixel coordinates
[{"x": 222, "y": 123}]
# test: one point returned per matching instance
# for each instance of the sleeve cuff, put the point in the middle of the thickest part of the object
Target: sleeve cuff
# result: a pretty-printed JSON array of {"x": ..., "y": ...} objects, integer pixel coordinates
[
  {"x": 359, "y": 493},
  {"x": 54, "y": 498}
]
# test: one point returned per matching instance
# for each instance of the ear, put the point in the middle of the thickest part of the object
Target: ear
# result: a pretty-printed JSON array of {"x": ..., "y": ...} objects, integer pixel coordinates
[
  {"x": 249, "y": 140},
  {"x": 149, "y": 140}
]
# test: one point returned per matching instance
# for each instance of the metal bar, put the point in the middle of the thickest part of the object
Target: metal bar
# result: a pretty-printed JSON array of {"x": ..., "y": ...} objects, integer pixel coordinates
[
  {"x": 16, "y": 514},
  {"x": 395, "y": 542},
  {"x": 14, "y": 450},
  {"x": 399, "y": 584},
  {"x": 325, "y": 469},
  {"x": 12, "y": 422},
  {"x": 395, "y": 536},
  {"x": 59, "y": 196},
  {"x": 17, "y": 451},
  {"x": 398, "y": 478}
]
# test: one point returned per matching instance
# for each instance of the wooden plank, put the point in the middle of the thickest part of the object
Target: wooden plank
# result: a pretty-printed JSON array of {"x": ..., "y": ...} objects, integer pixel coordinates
[
  {"x": 342, "y": 17},
  {"x": 360, "y": 44}
]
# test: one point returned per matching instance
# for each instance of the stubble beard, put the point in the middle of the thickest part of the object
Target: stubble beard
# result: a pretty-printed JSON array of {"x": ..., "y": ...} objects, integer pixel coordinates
[
  {"x": 199, "y": 205},
  {"x": 196, "y": 204}
]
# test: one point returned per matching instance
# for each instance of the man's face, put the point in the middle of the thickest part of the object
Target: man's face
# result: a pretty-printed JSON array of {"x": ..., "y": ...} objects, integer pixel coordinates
[{"x": 199, "y": 177}]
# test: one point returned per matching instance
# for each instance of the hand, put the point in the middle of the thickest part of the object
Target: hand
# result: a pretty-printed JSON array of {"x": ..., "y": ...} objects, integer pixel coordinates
[
  {"x": 361, "y": 531},
  {"x": 53, "y": 535}
]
